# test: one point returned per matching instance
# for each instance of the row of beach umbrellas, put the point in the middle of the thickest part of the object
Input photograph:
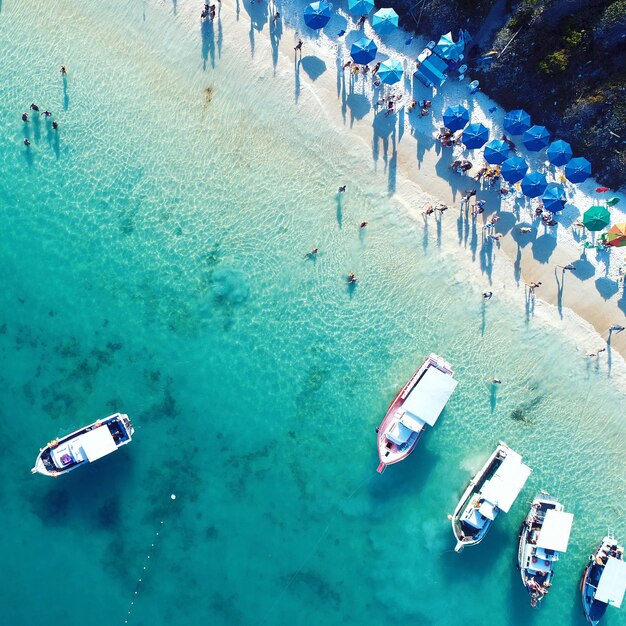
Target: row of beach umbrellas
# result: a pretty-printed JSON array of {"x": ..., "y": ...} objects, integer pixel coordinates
[{"x": 384, "y": 21}]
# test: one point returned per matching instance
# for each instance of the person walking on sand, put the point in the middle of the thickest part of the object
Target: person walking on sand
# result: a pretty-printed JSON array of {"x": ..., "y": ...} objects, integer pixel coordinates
[
  {"x": 533, "y": 286},
  {"x": 616, "y": 328},
  {"x": 525, "y": 229},
  {"x": 363, "y": 224},
  {"x": 276, "y": 16},
  {"x": 342, "y": 189},
  {"x": 429, "y": 210},
  {"x": 298, "y": 47},
  {"x": 487, "y": 295},
  {"x": 569, "y": 267}
]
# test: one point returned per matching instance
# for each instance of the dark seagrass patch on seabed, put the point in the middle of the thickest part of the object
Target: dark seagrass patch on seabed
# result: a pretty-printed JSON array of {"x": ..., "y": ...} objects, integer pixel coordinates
[{"x": 315, "y": 583}]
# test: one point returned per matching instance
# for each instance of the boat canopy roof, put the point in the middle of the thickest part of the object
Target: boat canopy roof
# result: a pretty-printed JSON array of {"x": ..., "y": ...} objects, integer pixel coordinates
[
  {"x": 504, "y": 486},
  {"x": 554, "y": 533},
  {"x": 399, "y": 434},
  {"x": 97, "y": 443},
  {"x": 612, "y": 583},
  {"x": 429, "y": 396}
]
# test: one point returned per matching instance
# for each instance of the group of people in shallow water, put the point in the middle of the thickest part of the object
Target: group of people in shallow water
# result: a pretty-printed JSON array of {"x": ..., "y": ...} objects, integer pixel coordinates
[
  {"x": 351, "y": 278},
  {"x": 34, "y": 108}
]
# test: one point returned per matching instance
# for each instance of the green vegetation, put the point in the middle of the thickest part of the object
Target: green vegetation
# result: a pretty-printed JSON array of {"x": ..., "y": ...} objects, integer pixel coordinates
[
  {"x": 574, "y": 38},
  {"x": 555, "y": 63}
]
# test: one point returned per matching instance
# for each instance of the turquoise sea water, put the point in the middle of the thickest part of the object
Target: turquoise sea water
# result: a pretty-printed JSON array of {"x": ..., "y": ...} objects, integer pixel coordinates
[{"x": 153, "y": 263}]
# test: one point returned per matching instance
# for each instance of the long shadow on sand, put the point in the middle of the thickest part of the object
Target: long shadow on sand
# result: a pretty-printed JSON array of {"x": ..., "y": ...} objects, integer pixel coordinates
[
  {"x": 276, "y": 32},
  {"x": 208, "y": 43}
]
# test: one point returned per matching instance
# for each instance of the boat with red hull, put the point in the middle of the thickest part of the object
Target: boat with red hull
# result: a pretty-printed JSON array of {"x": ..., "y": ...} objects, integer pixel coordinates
[{"x": 418, "y": 403}]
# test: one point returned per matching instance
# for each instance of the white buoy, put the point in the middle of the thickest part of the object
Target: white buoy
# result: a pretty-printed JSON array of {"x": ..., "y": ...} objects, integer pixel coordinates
[{"x": 173, "y": 496}]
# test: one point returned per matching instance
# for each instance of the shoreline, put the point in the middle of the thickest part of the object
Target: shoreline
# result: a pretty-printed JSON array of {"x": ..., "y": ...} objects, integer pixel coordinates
[{"x": 520, "y": 256}]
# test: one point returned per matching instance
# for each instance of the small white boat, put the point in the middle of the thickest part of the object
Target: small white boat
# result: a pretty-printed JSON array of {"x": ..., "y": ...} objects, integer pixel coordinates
[
  {"x": 83, "y": 446},
  {"x": 543, "y": 536},
  {"x": 493, "y": 489},
  {"x": 604, "y": 580},
  {"x": 418, "y": 403}
]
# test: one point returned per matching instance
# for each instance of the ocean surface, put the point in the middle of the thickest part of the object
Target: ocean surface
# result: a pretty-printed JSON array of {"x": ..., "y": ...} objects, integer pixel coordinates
[{"x": 153, "y": 262}]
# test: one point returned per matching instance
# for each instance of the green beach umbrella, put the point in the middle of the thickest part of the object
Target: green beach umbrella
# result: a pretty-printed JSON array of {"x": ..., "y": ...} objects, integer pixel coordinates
[{"x": 596, "y": 218}]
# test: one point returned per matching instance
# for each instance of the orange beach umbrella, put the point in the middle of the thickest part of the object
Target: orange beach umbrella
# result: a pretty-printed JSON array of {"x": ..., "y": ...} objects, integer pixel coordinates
[{"x": 616, "y": 235}]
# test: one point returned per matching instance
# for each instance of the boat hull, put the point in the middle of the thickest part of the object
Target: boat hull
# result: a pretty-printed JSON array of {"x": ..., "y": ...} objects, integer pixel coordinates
[
  {"x": 389, "y": 453},
  {"x": 473, "y": 489},
  {"x": 119, "y": 427}
]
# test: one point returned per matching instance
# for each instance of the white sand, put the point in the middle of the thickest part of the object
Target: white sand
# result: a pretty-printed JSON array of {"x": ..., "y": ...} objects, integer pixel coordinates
[{"x": 584, "y": 303}]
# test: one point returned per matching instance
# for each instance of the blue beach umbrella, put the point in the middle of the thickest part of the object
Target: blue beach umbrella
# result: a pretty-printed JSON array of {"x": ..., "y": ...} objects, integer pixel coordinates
[
  {"x": 514, "y": 169},
  {"x": 559, "y": 152},
  {"x": 578, "y": 170},
  {"x": 554, "y": 198},
  {"x": 455, "y": 117},
  {"x": 317, "y": 15},
  {"x": 385, "y": 21},
  {"x": 475, "y": 136},
  {"x": 516, "y": 122},
  {"x": 360, "y": 7},
  {"x": 363, "y": 51},
  {"x": 390, "y": 71},
  {"x": 536, "y": 138},
  {"x": 496, "y": 151},
  {"x": 534, "y": 184}
]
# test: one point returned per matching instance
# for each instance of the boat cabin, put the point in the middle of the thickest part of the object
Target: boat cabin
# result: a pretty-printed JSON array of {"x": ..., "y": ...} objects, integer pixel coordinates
[
  {"x": 551, "y": 540},
  {"x": 612, "y": 585},
  {"x": 89, "y": 446}
]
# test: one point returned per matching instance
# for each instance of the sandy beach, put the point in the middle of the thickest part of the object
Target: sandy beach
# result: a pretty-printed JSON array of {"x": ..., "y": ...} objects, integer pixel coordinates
[{"x": 405, "y": 149}]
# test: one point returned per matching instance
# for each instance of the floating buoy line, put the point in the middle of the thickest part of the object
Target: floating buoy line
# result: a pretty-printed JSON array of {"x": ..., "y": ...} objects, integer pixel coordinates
[{"x": 145, "y": 568}]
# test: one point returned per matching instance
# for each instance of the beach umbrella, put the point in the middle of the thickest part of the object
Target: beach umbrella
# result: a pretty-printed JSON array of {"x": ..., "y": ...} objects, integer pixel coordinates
[
  {"x": 554, "y": 198},
  {"x": 559, "y": 152},
  {"x": 317, "y": 15},
  {"x": 455, "y": 117},
  {"x": 390, "y": 71},
  {"x": 496, "y": 151},
  {"x": 616, "y": 235},
  {"x": 514, "y": 169},
  {"x": 578, "y": 170},
  {"x": 516, "y": 122},
  {"x": 360, "y": 7},
  {"x": 536, "y": 138},
  {"x": 534, "y": 184},
  {"x": 385, "y": 21},
  {"x": 596, "y": 218},
  {"x": 363, "y": 51},
  {"x": 475, "y": 136}
]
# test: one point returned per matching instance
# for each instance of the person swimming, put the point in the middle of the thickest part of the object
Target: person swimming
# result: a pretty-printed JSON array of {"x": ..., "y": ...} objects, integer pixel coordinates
[
  {"x": 26, "y": 141},
  {"x": 352, "y": 278},
  {"x": 24, "y": 117},
  {"x": 55, "y": 125},
  {"x": 364, "y": 224},
  {"x": 34, "y": 107},
  {"x": 342, "y": 189},
  {"x": 47, "y": 113}
]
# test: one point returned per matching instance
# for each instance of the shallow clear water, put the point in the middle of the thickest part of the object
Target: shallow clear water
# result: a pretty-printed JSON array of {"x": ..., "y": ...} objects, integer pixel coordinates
[{"x": 153, "y": 262}]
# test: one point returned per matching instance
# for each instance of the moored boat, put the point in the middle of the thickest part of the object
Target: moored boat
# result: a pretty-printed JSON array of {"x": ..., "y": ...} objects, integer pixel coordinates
[
  {"x": 494, "y": 488},
  {"x": 85, "y": 445},
  {"x": 417, "y": 404},
  {"x": 544, "y": 534},
  {"x": 604, "y": 580}
]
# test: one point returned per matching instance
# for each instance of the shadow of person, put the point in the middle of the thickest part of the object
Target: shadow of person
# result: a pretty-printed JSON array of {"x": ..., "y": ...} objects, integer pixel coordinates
[
  {"x": 297, "y": 62},
  {"x": 338, "y": 200},
  {"x": 208, "y": 43},
  {"x": 28, "y": 156},
  {"x": 276, "y": 32},
  {"x": 174, "y": 6},
  {"x": 66, "y": 97},
  {"x": 559, "y": 291},
  {"x": 220, "y": 33}
]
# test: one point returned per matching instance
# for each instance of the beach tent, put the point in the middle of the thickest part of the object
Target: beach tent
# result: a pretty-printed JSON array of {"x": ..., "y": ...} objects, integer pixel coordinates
[
  {"x": 596, "y": 218},
  {"x": 554, "y": 198},
  {"x": 385, "y": 21},
  {"x": 360, "y": 7},
  {"x": 578, "y": 170},
  {"x": 475, "y": 136},
  {"x": 559, "y": 152},
  {"x": 448, "y": 50},
  {"x": 536, "y": 138},
  {"x": 514, "y": 169},
  {"x": 516, "y": 122},
  {"x": 317, "y": 15},
  {"x": 455, "y": 117},
  {"x": 428, "y": 73},
  {"x": 496, "y": 151},
  {"x": 616, "y": 235},
  {"x": 363, "y": 51},
  {"x": 390, "y": 71},
  {"x": 534, "y": 184}
]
